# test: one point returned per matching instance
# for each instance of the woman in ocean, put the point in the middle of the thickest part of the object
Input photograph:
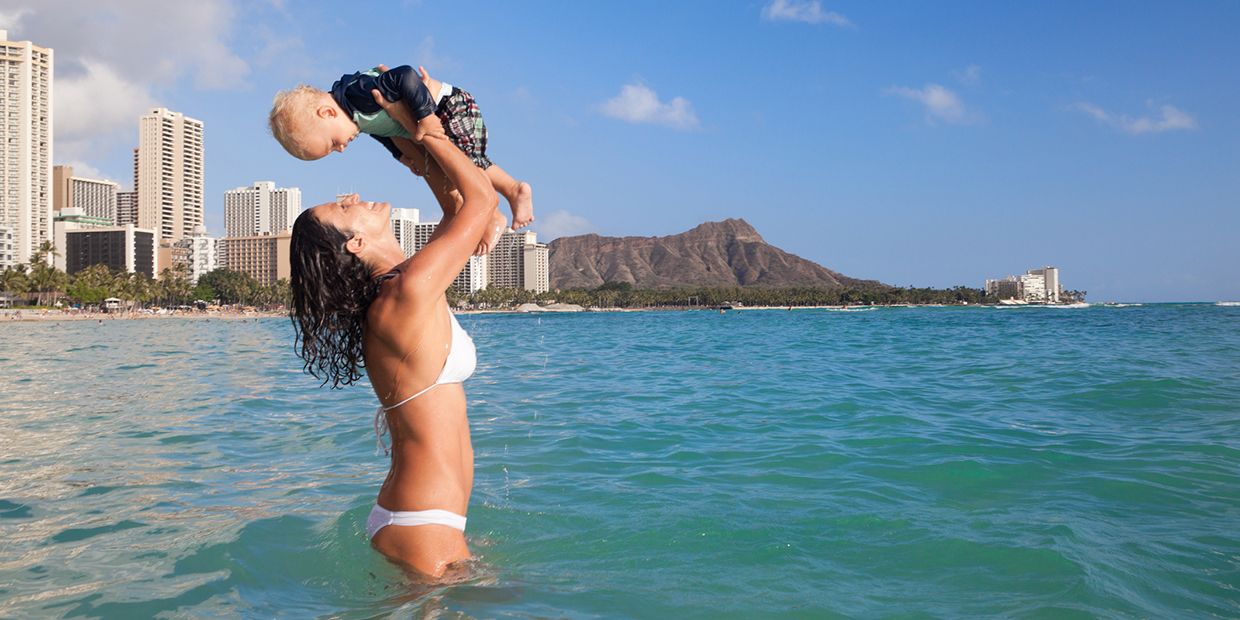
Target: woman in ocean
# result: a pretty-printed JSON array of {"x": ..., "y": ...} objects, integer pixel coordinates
[{"x": 359, "y": 303}]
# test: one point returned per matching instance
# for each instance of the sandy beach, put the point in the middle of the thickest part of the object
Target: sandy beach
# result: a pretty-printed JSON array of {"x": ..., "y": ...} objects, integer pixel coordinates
[{"x": 9, "y": 316}]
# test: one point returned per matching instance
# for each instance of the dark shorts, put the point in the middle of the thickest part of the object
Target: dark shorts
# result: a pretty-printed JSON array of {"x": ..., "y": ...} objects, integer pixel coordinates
[{"x": 462, "y": 121}]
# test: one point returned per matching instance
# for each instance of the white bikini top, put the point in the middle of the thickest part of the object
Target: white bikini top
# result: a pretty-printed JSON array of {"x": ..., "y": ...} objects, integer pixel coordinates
[{"x": 459, "y": 366}]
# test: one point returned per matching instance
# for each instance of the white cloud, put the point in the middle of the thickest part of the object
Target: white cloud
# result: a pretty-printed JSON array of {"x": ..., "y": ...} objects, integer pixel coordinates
[
  {"x": 113, "y": 59},
  {"x": 97, "y": 99},
  {"x": 1170, "y": 119},
  {"x": 806, "y": 11},
  {"x": 969, "y": 76},
  {"x": 561, "y": 223},
  {"x": 638, "y": 104},
  {"x": 941, "y": 103},
  {"x": 11, "y": 19}
]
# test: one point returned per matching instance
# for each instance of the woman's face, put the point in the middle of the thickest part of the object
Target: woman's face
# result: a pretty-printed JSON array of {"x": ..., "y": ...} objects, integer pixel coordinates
[{"x": 356, "y": 217}]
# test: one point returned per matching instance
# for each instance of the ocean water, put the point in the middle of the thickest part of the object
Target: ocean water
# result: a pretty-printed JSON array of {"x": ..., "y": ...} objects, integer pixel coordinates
[{"x": 901, "y": 462}]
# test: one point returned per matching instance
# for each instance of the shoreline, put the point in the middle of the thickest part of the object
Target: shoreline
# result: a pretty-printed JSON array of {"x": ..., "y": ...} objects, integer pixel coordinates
[
  {"x": 9, "y": 315},
  {"x": 36, "y": 316}
]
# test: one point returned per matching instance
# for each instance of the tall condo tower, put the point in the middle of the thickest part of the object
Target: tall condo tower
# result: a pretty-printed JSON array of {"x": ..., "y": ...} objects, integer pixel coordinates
[
  {"x": 168, "y": 173},
  {"x": 26, "y": 155},
  {"x": 261, "y": 208},
  {"x": 519, "y": 261}
]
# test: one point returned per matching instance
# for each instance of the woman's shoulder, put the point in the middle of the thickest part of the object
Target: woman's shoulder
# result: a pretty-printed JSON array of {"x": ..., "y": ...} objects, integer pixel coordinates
[{"x": 397, "y": 304}]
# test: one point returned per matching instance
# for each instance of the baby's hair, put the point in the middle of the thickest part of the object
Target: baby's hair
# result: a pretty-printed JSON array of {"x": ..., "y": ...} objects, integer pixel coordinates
[{"x": 288, "y": 110}]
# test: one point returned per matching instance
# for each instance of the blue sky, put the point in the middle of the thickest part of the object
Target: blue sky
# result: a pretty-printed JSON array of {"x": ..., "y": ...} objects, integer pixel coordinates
[{"x": 930, "y": 144}]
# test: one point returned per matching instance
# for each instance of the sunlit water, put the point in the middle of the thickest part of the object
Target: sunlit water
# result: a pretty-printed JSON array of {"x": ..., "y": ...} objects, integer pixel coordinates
[{"x": 938, "y": 462}]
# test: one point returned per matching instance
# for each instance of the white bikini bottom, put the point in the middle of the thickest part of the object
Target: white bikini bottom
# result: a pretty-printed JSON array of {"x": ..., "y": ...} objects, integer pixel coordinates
[{"x": 381, "y": 517}]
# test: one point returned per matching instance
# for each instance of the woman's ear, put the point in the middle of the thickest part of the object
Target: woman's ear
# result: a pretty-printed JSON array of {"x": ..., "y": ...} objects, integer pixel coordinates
[{"x": 355, "y": 244}]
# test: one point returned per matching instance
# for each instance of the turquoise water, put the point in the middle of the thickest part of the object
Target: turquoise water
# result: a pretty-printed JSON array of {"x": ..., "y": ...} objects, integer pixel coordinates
[{"x": 903, "y": 462}]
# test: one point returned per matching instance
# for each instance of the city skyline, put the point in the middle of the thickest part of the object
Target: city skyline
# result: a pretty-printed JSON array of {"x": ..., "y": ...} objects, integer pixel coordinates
[{"x": 914, "y": 145}]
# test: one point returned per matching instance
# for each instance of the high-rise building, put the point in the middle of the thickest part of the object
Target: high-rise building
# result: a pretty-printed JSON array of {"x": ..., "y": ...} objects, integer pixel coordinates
[
  {"x": 123, "y": 248},
  {"x": 199, "y": 253},
  {"x": 414, "y": 234},
  {"x": 265, "y": 257},
  {"x": 126, "y": 208},
  {"x": 519, "y": 261},
  {"x": 26, "y": 155},
  {"x": 1050, "y": 282},
  {"x": 260, "y": 208},
  {"x": 1034, "y": 286},
  {"x": 169, "y": 173},
  {"x": 408, "y": 230},
  {"x": 91, "y": 197},
  {"x": 536, "y": 267}
]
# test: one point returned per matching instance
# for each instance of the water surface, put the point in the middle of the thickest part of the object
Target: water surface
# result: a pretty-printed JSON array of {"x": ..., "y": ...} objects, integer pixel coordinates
[{"x": 924, "y": 462}]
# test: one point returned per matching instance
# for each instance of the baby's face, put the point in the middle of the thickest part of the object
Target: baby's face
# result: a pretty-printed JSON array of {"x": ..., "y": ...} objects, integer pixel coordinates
[{"x": 320, "y": 136}]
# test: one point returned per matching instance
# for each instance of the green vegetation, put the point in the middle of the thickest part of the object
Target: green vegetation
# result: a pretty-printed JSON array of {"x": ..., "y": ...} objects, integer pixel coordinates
[
  {"x": 40, "y": 284},
  {"x": 623, "y": 295}
]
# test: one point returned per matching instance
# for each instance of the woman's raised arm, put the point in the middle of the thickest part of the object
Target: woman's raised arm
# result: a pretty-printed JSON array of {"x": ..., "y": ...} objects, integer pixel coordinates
[{"x": 433, "y": 268}]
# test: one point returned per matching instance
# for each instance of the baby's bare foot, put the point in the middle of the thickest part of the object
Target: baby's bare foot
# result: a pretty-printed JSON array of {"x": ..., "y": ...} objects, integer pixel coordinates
[
  {"x": 488, "y": 243},
  {"x": 523, "y": 206}
]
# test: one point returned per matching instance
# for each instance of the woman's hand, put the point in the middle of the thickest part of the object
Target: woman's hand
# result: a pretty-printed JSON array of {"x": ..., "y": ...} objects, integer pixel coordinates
[{"x": 428, "y": 127}]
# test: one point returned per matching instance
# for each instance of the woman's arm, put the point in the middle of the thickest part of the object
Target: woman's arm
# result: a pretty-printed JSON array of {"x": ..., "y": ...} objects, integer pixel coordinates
[{"x": 433, "y": 268}]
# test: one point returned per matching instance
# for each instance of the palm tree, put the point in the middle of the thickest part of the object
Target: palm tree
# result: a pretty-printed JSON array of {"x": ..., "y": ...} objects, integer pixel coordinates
[
  {"x": 14, "y": 280},
  {"x": 92, "y": 285}
]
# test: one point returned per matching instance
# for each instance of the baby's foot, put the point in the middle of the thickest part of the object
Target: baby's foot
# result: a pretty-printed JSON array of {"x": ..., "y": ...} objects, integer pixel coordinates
[
  {"x": 489, "y": 241},
  {"x": 523, "y": 206}
]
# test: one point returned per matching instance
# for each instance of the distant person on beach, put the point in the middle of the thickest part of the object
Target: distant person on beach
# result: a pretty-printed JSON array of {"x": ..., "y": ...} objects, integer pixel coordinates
[
  {"x": 311, "y": 123},
  {"x": 359, "y": 303}
]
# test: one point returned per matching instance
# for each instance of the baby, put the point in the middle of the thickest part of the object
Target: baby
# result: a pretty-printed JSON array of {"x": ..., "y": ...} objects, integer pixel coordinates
[{"x": 310, "y": 123}]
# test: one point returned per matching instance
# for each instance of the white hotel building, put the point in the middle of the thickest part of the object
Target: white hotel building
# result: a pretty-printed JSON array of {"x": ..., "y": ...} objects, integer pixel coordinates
[
  {"x": 413, "y": 235},
  {"x": 1034, "y": 286},
  {"x": 519, "y": 261},
  {"x": 26, "y": 154},
  {"x": 261, "y": 208},
  {"x": 198, "y": 252}
]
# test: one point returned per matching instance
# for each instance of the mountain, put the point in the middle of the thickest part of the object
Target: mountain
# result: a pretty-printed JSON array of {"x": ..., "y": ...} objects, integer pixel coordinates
[{"x": 727, "y": 253}]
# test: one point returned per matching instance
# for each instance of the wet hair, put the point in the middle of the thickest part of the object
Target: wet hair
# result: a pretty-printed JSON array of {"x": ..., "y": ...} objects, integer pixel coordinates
[
  {"x": 290, "y": 111},
  {"x": 332, "y": 291}
]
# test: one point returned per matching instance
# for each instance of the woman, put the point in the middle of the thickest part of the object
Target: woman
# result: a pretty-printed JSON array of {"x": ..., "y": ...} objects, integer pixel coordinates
[{"x": 357, "y": 302}]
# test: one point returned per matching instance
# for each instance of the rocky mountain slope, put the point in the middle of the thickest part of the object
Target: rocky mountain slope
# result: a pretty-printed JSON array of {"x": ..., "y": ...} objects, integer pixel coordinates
[{"x": 727, "y": 253}]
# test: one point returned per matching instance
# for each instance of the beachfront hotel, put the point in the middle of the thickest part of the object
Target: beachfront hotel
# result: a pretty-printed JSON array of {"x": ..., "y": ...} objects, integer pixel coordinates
[
  {"x": 519, "y": 261},
  {"x": 1034, "y": 286},
  {"x": 264, "y": 257},
  {"x": 198, "y": 253},
  {"x": 67, "y": 219},
  {"x": 413, "y": 235},
  {"x": 260, "y": 208},
  {"x": 93, "y": 198},
  {"x": 121, "y": 248},
  {"x": 26, "y": 157},
  {"x": 168, "y": 173}
]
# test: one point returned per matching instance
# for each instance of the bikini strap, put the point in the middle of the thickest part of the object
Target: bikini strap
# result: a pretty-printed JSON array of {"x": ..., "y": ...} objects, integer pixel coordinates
[
  {"x": 381, "y": 425},
  {"x": 389, "y": 275}
]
